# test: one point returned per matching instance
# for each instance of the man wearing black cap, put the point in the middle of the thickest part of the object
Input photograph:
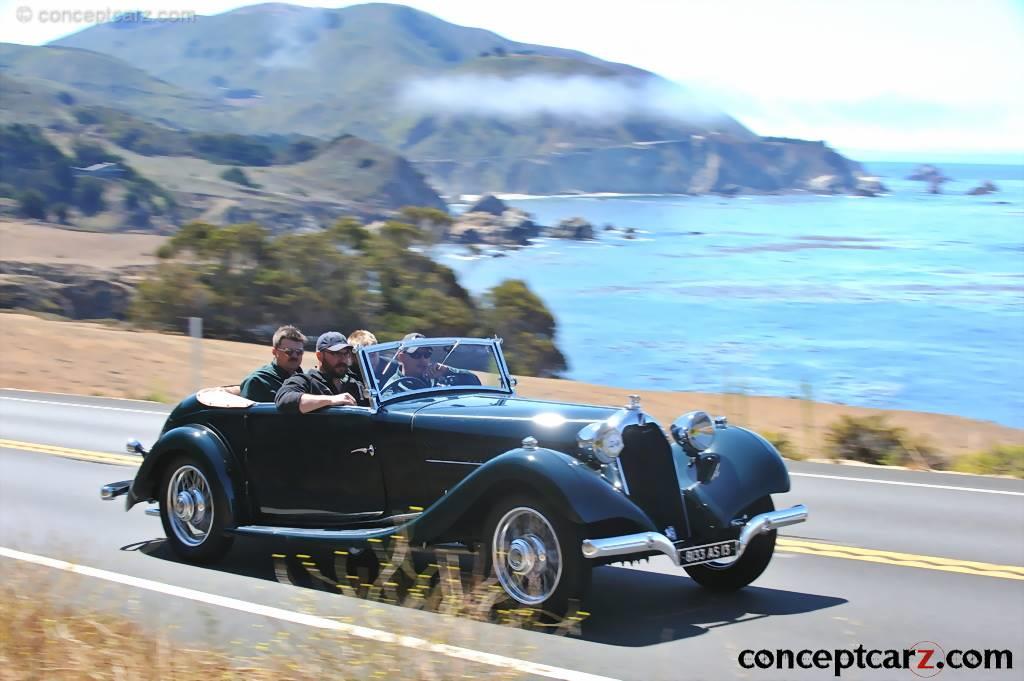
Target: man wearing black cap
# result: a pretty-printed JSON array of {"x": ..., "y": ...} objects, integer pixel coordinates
[{"x": 329, "y": 384}]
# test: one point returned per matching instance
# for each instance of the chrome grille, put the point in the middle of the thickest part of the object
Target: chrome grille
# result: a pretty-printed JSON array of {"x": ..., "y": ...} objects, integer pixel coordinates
[{"x": 651, "y": 476}]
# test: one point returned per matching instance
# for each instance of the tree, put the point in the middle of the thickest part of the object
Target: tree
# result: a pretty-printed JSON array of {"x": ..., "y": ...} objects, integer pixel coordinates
[
  {"x": 32, "y": 204},
  {"x": 88, "y": 195},
  {"x": 60, "y": 212},
  {"x": 517, "y": 315},
  {"x": 237, "y": 175}
]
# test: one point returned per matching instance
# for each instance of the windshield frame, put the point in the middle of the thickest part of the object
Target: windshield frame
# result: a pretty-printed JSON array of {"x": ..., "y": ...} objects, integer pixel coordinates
[{"x": 392, "y": 348}]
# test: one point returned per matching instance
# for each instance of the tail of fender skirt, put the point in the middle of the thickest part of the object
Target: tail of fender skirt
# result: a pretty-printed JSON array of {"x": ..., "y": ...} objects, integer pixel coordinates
[{"x": 651, "y": 476}]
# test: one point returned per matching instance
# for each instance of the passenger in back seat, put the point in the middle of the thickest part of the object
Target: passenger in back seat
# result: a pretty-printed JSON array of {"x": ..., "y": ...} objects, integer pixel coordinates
[{"x": 287, "y": 348}]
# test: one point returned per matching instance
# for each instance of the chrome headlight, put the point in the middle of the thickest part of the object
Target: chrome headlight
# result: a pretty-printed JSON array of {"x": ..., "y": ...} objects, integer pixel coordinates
[
  {"x": 694, "y": 431},
  {"x": 601, "y": 439}
]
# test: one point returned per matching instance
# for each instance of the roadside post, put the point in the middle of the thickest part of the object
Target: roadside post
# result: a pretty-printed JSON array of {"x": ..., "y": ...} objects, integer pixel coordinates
[{"x": 195, "y": 329}]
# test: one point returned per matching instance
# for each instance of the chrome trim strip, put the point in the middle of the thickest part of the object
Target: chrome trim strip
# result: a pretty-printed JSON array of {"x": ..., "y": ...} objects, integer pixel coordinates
[
  {"x": 313, "y": 533},
  {"x": 462, "y": 463},
  {"x": 643, "y": 542},
  {"x": 622, "y": 475}
]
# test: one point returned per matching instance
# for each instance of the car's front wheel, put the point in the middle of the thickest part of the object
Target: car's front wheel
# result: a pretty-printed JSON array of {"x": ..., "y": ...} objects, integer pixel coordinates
[
  {"x": 536, "y": 556},
  {"x": 730, "y": 575},
  {"x": 193, "y": 510}
]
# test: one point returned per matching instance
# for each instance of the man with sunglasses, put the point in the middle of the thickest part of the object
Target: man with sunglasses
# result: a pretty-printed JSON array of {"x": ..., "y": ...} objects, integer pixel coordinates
[
  {"x": 287, "y": 349},
  {"x": 418, "y": 370},
  {"x": 329, "y": 384}
]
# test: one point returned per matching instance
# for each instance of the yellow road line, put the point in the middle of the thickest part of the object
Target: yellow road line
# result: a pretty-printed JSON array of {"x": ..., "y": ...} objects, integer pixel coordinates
[
  {"x": 67, "y": 452},
  {"x": 967, "y": 567},
  {"x": 786, "y": 544}
]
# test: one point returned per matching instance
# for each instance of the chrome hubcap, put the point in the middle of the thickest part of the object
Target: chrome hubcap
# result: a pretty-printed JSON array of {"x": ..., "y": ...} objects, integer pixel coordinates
[
  {"x": 191, "y": 510},
  {"x": 524, "y": 553},
  {"x": 527, "y": 560}
]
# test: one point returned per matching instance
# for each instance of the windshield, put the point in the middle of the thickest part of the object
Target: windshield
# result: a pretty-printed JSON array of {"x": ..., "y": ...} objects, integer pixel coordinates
[{"x": 434, "y": 364}]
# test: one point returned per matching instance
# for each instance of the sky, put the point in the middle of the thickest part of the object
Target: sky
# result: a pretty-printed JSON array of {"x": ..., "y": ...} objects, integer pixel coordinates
[{"x": 937, "y": 80}]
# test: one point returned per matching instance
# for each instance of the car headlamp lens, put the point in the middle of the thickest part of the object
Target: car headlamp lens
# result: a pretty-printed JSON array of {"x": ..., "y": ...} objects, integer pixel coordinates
[
  {"x": 694, "y": 431},
  {"x": 602, "y": 440}
]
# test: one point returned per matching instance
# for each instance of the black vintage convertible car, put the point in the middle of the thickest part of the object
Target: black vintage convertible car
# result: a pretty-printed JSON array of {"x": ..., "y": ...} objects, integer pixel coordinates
[{"x": 447, "y": 454}]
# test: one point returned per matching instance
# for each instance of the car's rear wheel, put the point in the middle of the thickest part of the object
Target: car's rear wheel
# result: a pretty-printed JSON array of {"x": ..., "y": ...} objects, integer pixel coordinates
[
  {"x": 535, "y": 555},
  {"x": 733, "y": 574},
  {"x": 193, "y": 510}
]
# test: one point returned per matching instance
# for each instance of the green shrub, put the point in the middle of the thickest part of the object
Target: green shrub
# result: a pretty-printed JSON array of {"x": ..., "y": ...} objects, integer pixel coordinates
[
  {"x": 238, "y": 176},
  {"x": 782, "y": 443},
  {"x": 1000, "y": 460},
  {"x": 872, "y": 439}
]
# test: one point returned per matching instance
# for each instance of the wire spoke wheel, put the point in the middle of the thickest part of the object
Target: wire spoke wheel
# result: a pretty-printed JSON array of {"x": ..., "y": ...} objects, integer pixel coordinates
[
  {"x": 190, "y": 502},
  {"x": 526, "y": 556}
]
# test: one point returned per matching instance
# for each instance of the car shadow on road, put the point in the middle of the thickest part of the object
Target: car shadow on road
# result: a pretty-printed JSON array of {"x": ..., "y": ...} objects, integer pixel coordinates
[
  {"x": 627, "y": 607},
  {"x": 635, "y": 608}
]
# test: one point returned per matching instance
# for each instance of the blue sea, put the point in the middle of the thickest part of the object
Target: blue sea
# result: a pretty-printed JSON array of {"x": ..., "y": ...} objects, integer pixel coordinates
[{"x": 904, "y": 301}]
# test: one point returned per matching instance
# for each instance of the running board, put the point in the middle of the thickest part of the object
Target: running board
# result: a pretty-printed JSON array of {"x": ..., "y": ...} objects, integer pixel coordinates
[{"x": 364, "y": 534}]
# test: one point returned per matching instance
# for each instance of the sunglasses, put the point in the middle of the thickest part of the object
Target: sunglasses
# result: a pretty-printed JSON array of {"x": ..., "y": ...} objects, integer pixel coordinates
[
  {"x": 422, "y": 353},
  {"x": 291, "y": 353}
]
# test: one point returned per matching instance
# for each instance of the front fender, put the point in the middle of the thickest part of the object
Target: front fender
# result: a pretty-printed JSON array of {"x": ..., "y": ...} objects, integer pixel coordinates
[
  {"x": 561, "y": 481},
  {"x": 750, "y": 468},
  {"x": 195, "y": 440}
]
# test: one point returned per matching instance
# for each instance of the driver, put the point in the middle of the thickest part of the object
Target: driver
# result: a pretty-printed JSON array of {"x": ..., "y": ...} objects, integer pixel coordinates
[{"x": 416, "y": 370}]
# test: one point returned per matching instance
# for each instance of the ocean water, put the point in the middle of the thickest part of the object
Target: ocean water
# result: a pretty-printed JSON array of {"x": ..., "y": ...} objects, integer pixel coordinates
[{"x": 906, "y": 301}]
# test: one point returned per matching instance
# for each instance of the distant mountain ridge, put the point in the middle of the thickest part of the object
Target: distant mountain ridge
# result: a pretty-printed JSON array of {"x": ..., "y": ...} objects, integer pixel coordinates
[{"x": 278, "y": 68}]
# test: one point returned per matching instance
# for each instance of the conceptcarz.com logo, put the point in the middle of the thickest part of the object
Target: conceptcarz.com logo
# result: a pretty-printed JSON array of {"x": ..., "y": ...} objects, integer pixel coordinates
[{"x": 925, "y": 659}]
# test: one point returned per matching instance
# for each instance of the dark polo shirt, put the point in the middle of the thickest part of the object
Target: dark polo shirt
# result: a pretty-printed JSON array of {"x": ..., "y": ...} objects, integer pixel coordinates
[
  {"x": 263, "y": 383},
  {"x": 315, "y": 383}
]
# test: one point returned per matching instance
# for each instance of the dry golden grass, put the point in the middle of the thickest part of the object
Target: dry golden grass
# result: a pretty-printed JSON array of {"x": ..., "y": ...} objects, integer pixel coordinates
[
  {"x": 28, "y": 241},
  {"x": 43, "y": 637},
  {"x": 93, "y": 359}
]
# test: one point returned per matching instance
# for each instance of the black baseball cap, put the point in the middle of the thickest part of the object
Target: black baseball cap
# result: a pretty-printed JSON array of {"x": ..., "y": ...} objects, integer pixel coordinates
[{"x": 333, "y": 341}]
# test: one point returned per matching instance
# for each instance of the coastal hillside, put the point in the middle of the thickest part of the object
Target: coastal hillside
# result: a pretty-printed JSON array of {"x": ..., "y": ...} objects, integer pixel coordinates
[{"x": 473, "y": 110}]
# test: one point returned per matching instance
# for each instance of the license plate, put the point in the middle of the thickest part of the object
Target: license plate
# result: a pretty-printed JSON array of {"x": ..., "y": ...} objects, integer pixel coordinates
[{"x": 695, "y": 555}]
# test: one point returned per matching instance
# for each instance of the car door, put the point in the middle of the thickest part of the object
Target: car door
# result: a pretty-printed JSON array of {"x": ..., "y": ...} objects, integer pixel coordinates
[{"x": 314, "y": 469}]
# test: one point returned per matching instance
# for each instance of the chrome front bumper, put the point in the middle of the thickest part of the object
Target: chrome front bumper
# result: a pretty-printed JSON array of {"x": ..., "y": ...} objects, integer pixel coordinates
[{"x": 655, "y": 541}]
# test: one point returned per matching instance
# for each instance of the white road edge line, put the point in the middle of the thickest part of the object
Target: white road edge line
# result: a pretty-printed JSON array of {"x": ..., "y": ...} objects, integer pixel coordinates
[
  {"x": 310, "y": 620},
  {"x": 909, "y": 484},
  {"x": 85, "y": 406}
]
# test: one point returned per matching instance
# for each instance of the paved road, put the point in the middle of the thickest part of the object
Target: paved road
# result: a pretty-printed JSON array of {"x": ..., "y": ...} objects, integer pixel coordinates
[{"x": 889, "y": 558}]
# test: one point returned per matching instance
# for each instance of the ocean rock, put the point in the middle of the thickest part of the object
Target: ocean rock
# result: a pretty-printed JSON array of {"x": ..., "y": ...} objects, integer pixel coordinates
[
  {"x": 928, "y": 173},
  {"x": 513, "y": 227},
  {"x": 986, "y": 187},
  {"x": 869, "y": 186},
  {"x": 488, "y": 204},
  {"x": 572, "y": 228},
  {"x": 825, "y": 184}
]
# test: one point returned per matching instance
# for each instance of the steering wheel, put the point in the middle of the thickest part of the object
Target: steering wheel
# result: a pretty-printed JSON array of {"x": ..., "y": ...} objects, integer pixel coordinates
[
  {"x": 461, "y": 379},
  {"x": 410, "y": 383}
]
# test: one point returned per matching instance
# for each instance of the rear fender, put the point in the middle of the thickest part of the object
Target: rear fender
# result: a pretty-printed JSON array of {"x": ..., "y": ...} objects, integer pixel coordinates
[
  {"x": 563, "y": 482},
  {"x": 196, "y": 440},
  {"x": 750, "y": 468}
]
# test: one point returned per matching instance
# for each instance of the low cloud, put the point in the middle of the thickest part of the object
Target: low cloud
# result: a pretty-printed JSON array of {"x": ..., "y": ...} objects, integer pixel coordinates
[{"x": 585, "y": 97}]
